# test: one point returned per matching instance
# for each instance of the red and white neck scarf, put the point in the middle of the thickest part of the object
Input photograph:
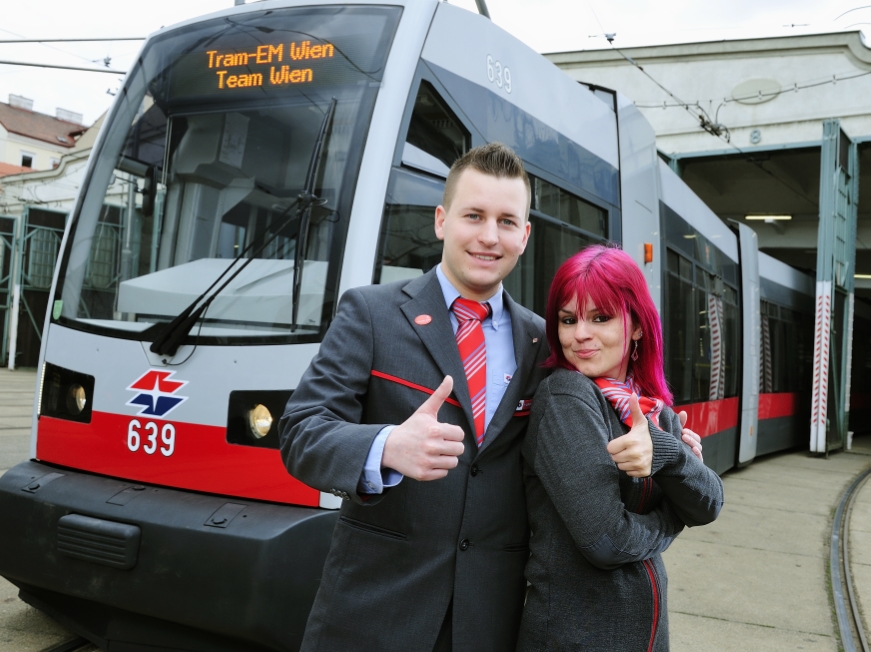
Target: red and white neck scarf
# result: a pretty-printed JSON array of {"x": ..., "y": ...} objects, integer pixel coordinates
[{"x": 618, "y": 394}]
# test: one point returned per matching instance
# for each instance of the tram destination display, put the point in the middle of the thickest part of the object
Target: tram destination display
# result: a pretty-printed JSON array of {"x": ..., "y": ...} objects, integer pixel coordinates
[
  {"x": 266, "y": 66},
  {"x": 315, "y": 49}
]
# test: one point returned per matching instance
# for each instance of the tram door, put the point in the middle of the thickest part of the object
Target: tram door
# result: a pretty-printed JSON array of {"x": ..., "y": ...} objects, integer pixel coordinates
[
  {"x": 836, "y": 255},
  {"x": 748, "y": 430}
]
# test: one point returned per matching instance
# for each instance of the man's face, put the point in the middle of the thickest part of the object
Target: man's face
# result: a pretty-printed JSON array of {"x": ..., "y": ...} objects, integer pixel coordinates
[{"x": 485, "y": 230}]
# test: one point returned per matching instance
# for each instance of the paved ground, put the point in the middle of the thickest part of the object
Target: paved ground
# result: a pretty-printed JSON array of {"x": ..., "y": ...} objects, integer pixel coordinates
[
  {"x": 22, "y": 628},
  {"x": 756, "y": 579}
]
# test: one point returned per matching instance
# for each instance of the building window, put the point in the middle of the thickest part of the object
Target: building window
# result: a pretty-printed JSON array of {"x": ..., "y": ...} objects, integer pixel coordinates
[
  {"x": 54, "y": 162},
  {"x": 44, "y": 246},
  {"x": 27, "y": 159}
]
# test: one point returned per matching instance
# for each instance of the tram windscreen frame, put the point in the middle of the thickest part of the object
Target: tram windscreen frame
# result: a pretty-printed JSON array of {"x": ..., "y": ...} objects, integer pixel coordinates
[{"x": 207, "y": 152}]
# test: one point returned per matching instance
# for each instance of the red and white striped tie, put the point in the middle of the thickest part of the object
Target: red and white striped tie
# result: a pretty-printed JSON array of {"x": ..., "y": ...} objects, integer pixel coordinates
[{"x": 473, "y": 352}]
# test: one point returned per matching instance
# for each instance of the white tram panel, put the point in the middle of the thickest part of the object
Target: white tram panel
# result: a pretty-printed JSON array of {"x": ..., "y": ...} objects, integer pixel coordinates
[
  {"x": 782, "y": 274},
  {"x": 683, "y": 201},
  {"x": 371, "y": 187},
  {"x": 748, "y": 426},
  {"x": 639, "y": 193},
  {"x": 117, "y": 363},
  {"x": 472, "y": 47}
]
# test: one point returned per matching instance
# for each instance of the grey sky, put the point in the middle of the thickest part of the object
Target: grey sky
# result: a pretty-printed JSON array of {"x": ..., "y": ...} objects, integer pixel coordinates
[{"x": 544, "y": 25}]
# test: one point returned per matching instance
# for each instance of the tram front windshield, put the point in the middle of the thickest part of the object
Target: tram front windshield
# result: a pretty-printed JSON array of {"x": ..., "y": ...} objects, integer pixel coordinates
[{"x": 236, "y": 141}]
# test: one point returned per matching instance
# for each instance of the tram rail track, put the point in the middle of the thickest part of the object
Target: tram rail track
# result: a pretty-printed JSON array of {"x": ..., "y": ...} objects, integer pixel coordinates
[{"x": 850, "y": 623}]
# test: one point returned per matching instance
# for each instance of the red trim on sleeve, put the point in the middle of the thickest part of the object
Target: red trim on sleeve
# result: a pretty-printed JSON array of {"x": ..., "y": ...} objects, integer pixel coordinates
[
  {"x": 408, "y": 383},
  {"x": 648, "y": 566}
]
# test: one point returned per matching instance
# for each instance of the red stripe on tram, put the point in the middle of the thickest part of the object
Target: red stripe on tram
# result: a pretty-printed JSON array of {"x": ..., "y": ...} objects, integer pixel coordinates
[
  {"x": 710, "y": 417},
  {"x": 772, "y": 406}
]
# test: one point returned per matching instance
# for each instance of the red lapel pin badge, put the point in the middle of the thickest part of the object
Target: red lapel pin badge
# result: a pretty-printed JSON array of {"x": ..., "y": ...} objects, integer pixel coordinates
[{"x": 422, "y": 320}]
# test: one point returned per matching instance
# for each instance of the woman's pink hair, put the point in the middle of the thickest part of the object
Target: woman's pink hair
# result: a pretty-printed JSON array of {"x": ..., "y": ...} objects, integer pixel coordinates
[{"x": 615, "y": 285}]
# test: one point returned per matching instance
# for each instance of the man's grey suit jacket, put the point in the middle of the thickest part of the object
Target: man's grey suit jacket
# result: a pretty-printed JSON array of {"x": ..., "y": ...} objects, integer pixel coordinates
[{"x": 398, "y": 560}]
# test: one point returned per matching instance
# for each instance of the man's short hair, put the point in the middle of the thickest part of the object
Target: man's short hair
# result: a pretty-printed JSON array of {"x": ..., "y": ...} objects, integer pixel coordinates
[{"x": 495, "y": 159}]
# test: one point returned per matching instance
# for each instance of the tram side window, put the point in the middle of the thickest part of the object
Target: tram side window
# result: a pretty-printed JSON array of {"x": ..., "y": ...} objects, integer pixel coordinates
[
  {"x": 562, "y": 225},
  {"x": 701, "y": 332},
  {"x": 731, "y": 335},
  {"x": 679, "y": 321},
  {"x": 101, "y": 273},
  {"x": 553, "y": 201},
  {"x": 784, "y": 349},
  {"x": 436, "y": 137},
  {"x": 408, "y": 246}
]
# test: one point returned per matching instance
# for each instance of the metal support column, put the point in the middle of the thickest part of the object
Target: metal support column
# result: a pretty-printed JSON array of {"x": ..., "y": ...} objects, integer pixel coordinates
[
  {"x": 836, "y": 257},
  {"x": 15, "y": 288},
  {"x": 8, "y": 268}
]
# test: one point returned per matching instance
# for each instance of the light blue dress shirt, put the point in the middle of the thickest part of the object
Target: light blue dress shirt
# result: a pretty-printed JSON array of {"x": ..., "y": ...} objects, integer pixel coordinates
[{"x": 501, "y": 365}]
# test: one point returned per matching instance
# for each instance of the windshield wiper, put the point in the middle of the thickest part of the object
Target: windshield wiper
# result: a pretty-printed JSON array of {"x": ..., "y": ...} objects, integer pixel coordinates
[
  {"x": 172, "y": 336},
  {"x": 307, "y": 195}
]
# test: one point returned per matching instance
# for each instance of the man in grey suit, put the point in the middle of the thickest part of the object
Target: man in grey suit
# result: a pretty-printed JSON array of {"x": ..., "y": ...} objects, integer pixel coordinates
[{"x": 431, "y": 542}]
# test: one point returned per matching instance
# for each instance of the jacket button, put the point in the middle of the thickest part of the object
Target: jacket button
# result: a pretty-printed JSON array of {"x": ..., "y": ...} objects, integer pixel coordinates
[
  {"x": 474, "y": 470},
  {"x": 464, "y": 544}
]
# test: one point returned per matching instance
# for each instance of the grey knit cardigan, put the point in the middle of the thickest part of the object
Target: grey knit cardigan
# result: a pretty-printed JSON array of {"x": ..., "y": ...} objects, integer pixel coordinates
[{"x": 597, "y": 581}]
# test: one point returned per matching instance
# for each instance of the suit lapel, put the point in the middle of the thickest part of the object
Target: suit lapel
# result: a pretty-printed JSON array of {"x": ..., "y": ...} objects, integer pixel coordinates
[
  {"x": 426, "y": 298},
  {"x": 526, "y": 343}
]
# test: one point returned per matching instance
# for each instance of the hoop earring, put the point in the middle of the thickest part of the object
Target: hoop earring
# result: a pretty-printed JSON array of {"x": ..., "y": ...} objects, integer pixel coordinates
[{"x": 635, "y": 352}]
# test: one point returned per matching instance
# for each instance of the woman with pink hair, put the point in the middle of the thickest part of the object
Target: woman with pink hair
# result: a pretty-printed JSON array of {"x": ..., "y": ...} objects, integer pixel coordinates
[{"x": 597, "y": 581}]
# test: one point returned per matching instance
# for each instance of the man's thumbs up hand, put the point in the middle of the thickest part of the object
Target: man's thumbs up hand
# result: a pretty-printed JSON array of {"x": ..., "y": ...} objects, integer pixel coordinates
[{"x": 422, "y": 447}]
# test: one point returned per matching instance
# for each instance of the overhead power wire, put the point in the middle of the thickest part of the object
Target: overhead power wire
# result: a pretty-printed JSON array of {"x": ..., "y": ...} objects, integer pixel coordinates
[
  {"x": 715, "y": 129},
  {"x": 794, "y": 88},
  {"x": 51, "y": 47},
  {"x": 70, "y": 40},
  {"x": 705, "y": 122},
  {"x": 50, "y": 65},
  {"x": 853, "y": 9}
]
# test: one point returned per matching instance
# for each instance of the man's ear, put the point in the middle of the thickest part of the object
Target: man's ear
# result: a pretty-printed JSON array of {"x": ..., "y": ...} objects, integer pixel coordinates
[
  {"x": 526, "y": 234},
  {"x": 440, "y": 215}
]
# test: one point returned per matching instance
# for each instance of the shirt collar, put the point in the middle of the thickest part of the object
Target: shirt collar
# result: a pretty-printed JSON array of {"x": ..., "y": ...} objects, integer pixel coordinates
[{"x": 450, "y": 293}]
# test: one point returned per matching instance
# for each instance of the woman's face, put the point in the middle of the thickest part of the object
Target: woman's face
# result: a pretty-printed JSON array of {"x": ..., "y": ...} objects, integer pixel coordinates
[{"x": 594, "y": 343}]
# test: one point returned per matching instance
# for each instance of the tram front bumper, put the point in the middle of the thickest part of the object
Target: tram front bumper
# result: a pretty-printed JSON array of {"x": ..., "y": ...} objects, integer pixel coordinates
[{"x": 97, "y": 552}]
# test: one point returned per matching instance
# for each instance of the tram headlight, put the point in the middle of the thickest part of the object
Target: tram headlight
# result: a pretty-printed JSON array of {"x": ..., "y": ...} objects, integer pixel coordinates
[
  {"x": 66, "y": 394},
  {"x": 77, "y": 399},
  {"x": 252, "y": 416},
  {"x": 259, "y": 421}
]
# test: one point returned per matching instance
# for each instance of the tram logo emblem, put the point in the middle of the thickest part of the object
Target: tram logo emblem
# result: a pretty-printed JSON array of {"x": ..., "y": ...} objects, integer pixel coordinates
[{"x": 156, "y": 393}]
